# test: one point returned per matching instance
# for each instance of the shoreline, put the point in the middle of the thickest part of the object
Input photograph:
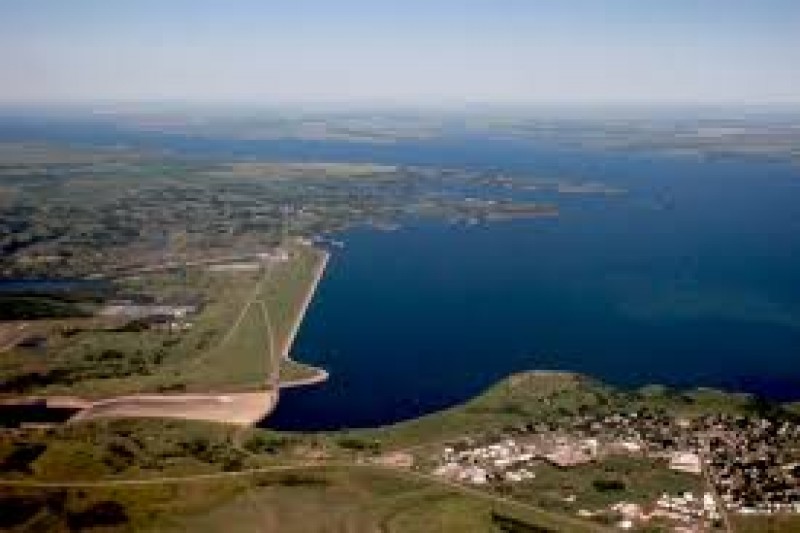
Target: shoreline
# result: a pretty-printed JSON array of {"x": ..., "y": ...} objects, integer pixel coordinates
[{"x": 321, "y": 374}]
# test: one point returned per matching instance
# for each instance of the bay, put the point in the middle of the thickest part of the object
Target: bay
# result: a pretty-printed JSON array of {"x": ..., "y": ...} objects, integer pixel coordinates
[{"x": 701, "y": 289}]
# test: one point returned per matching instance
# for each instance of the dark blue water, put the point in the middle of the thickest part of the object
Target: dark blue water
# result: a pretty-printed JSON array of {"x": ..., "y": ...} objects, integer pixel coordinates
[
  {"x": 15, "y": 415},
  {"x": 693, "y": 278},
  {"x": 50, "y": 286}
]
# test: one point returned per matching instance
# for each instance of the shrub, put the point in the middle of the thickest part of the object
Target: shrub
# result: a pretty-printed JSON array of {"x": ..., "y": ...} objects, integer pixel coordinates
[
  {"x": 105, "y": 513},
  {"x": 608, "y": 485}
]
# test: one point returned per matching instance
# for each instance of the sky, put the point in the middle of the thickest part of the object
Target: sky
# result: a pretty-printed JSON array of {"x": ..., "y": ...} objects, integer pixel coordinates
[{"x": 400, "y": 51}]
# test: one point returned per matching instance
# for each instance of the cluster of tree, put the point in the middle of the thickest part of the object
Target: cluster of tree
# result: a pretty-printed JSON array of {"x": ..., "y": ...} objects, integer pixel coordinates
[
  {"x": 509, "y": 524},
  {"x": 15, "y": 511},
  {"x": 32, "y": 307},
  {"x": 608, "y": 485},
  {"x": 21, "y": 457}
]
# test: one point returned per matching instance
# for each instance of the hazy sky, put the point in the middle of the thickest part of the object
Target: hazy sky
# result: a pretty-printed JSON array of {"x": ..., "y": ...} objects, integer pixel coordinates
[{"x": 403, "y": 51}]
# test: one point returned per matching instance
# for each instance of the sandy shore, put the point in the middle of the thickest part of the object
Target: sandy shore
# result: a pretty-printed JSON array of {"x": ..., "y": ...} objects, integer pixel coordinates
[
  {"x": 242, "y": 408},
  {"x": 320, "y": 376}
]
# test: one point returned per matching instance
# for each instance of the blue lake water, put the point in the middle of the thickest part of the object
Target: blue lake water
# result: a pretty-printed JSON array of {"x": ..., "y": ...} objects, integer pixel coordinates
[
  {"x": 15, "y": 286},
  {"x": 692, "y": 278},
  {"x": 702, "y": 289}
]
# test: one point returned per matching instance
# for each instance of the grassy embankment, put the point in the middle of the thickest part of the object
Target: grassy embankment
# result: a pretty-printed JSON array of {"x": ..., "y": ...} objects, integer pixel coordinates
[
  {"x": 248, "y": 356},
  {"x": 228, "y": 348},
  {"x": 288, "y": 290},
  {"x": 547, "y": 396}
]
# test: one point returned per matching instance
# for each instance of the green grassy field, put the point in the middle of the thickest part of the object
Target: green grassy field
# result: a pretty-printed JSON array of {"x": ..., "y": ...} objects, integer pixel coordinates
[
  {"x": 361, "y": 500},
  {"x": 219, "y": 353},
  {"x": 241, "y": 360},
  {"x": 97, "y": 359},
  {"x": 124, "y": 448},
  {"x": 286, "y": 288},
  {"x": 301, "y": 500},
  {"x": 248, "y": 356},
  {"x": 640, "y": 481}
]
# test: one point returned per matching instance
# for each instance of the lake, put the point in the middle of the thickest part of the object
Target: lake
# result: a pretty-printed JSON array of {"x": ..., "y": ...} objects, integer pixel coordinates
[
  {"x": 690, "y": 279},
  {"x": 693, "y": 278},
  {"x": 52, "y": 286}
]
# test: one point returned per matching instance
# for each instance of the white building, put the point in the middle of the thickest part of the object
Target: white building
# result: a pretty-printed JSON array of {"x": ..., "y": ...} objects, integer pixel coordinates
[{"x": 685, "y": 462}]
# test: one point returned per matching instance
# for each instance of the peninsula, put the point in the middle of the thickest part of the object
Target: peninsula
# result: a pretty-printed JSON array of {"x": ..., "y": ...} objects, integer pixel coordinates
[{"x": 238, "y": 377}]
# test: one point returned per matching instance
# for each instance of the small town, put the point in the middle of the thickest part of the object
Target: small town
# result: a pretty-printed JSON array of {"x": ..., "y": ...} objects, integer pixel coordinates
[{"x": 747, "y": 465}]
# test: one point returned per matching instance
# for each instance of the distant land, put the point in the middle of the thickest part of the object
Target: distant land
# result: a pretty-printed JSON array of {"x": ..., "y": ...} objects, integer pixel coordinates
[{"x": 771, "y": 132}]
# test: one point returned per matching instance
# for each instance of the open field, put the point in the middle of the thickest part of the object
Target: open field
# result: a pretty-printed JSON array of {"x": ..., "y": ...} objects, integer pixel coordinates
[
  {"x": 786, "y": 523},
  {"x": 228, "y": 348},
  {"x": 357, "y": 499},
  {"x": 641, "y": 480},
  {"x": 287, "y": 305},
  {"x": 360, "y": 499},
  {"x": 252, "y": 356},
  {"x": 100, "y": 357},
  {"x": 238, "y": 343}
]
